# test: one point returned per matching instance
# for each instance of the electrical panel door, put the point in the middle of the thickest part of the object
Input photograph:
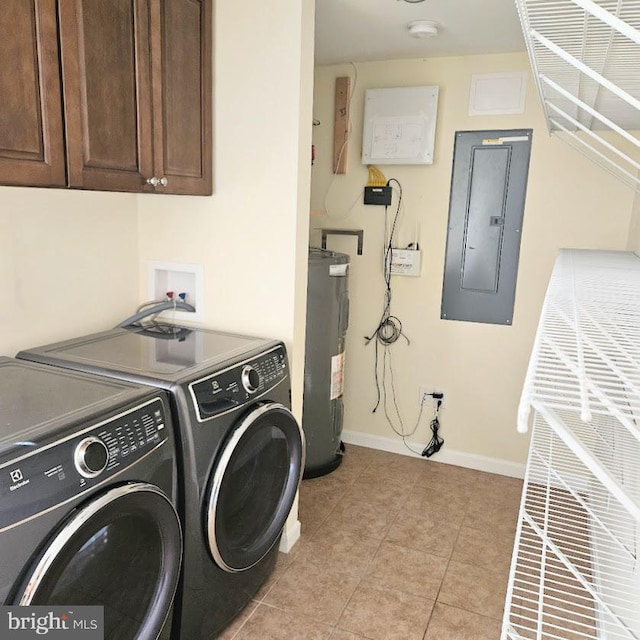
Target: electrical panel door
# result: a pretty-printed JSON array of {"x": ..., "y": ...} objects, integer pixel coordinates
[{"x": 486, "y": 208}]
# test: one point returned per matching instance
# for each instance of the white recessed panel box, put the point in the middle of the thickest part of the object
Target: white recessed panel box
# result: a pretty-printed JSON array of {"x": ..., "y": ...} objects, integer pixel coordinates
[
  {"x": 497, "y": 94},
  {"x": 177, "y": 278},
  {"x": 399, "y": 125}
]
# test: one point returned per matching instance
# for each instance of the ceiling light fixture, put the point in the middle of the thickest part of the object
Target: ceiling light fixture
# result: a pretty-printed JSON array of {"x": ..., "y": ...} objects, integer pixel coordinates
[
  {"x": 422, "y": 29},
  {"x": 413, "y": 1}
]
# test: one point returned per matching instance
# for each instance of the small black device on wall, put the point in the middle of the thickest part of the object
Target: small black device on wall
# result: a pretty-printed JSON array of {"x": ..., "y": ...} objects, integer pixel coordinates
[
  {"x": 486, "y": 208},
  {"x": 377, "y": 195}
]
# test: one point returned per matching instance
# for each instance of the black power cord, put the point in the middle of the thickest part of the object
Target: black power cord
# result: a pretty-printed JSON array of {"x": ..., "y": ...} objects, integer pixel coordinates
[
  {"x": 389, "y": 331},
  {"x": 436, "y": 441},
  {"x": 389, "y": 328}
]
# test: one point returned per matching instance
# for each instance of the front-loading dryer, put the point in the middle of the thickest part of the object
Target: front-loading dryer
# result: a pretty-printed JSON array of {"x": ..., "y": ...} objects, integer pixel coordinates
[
  {"x": 240, "y": 451},
  {"x": 87, "y": 497}
]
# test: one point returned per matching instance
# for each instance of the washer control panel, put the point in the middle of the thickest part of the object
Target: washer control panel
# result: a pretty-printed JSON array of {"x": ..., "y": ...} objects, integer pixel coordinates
[
  {"x": 60, "y": 471},
  {"x": 236, "y": 385}
]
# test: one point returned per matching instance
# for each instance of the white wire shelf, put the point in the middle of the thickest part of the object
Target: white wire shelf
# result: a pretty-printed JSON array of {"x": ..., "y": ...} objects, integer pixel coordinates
[
  {"x": 576, "y": 569},
  {"x": 585, "y": 56}
]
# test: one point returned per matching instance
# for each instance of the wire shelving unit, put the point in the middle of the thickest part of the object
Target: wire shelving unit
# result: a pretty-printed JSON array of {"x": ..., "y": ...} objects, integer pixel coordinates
[
  {"x": 575, "y": 571},
  {"x": 585, "y": 56}
]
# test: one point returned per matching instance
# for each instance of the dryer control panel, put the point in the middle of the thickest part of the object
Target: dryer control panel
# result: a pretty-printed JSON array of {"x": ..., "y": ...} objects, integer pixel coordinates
[
  {"x": 63, "y": 470},
  {"x": 234, "y": 386}
]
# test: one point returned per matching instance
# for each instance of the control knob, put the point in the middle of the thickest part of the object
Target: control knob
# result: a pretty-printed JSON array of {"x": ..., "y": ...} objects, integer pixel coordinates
[
  {"x": 91, "y": 457},
  {"x": 250, "y": 379}
]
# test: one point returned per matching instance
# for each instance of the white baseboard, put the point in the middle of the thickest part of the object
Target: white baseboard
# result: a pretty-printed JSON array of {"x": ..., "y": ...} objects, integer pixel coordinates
[
  {"x": 290, "y": 535},
  {"x": 446, "y": 456}
]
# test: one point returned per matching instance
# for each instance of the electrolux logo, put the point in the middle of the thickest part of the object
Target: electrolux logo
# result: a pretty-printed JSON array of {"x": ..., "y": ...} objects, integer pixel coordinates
[
  {"x": 17, "y": 479},
  {"x": 53, "y": 623}
]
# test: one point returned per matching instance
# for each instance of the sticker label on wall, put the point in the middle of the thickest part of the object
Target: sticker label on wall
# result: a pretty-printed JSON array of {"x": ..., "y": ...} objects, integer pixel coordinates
[
  {"x": 337, "y": 375},
  {"x": 486, "y": 141}
]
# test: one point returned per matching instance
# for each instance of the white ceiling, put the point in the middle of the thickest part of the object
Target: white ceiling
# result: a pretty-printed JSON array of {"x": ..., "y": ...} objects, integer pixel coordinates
[{"x": 365, "y": 30}]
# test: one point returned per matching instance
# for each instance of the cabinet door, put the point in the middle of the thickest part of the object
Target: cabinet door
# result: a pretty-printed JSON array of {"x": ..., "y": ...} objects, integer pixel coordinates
[
  {"x": 107, "y": 93},
  {"x": 31, "y": 138},
  {"x": 181, "y": 35}
]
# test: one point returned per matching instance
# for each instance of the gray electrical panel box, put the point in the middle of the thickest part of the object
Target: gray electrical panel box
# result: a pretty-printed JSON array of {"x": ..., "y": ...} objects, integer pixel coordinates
[
  {"x": 327, "y": 321},
  {"x": 488, "y": 186}
]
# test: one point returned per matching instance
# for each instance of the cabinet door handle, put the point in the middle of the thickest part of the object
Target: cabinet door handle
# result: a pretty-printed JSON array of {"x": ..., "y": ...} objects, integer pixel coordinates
[{"x": 156, "y": 182}]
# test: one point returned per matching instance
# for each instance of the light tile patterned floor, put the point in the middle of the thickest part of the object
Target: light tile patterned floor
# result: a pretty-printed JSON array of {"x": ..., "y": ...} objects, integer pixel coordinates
[{"x": 392, "y": 548}]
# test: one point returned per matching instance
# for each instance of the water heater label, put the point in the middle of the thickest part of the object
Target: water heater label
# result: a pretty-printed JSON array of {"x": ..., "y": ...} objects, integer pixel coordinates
[
  {"x": 337, "y": 375},
  {"x": 339, "y": 269}
]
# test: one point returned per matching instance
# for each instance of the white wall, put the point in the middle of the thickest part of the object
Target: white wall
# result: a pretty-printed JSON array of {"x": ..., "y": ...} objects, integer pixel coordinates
[
  {"x": 570, "y": 203},
  {"x": 68, "y": 263}
]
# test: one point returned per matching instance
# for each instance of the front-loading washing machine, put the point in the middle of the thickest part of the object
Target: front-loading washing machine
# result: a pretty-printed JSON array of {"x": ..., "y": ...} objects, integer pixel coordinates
[
  {"x": 87, "y": 498},
  {"x": 241, "y": 451}
]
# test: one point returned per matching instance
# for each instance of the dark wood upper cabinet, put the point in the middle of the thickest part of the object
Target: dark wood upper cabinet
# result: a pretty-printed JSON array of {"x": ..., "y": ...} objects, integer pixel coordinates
[
  {"x": 136, "y": 94},
  {"x": 107, "y": 93},
  {"x": 182, "y": 88},
  {"x": 31, "y": 131}
]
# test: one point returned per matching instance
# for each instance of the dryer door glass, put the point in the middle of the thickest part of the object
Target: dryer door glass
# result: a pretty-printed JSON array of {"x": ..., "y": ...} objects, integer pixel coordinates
[
  {"x": 122, "y": 551},
  {"x": 253, "y": 487}
]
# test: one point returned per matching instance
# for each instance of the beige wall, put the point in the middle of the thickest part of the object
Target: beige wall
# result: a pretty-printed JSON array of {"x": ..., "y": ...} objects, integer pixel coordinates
[
  {"x": 251, "y": 235},
  {"x": 68, "y": 263},
  {"x": 633, "y": 242},
  {"x": 570, "y": 203}
]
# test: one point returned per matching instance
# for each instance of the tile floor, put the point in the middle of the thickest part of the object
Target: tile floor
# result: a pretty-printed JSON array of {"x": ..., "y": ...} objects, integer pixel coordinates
[{"x": 392, "y": 547}]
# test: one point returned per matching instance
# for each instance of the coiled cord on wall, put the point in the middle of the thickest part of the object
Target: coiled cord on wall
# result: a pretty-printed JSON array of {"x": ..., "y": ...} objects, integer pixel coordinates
[
  {"x": 389, "y": 327},
  {"x": 388, "y": 332}
]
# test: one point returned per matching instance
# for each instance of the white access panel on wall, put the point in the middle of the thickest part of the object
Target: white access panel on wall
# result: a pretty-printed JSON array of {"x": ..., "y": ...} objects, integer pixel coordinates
[{"x": 399, "y": 125}]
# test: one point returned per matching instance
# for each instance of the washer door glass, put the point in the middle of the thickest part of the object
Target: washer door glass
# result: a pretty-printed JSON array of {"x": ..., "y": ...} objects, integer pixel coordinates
[
  {"x": 253, "y": 487},
  {"x": 122, "y": 551}
]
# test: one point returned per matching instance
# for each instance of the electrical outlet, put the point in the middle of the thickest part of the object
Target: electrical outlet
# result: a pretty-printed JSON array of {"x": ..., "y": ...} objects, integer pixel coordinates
[{"x": 424, "y": 394}]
